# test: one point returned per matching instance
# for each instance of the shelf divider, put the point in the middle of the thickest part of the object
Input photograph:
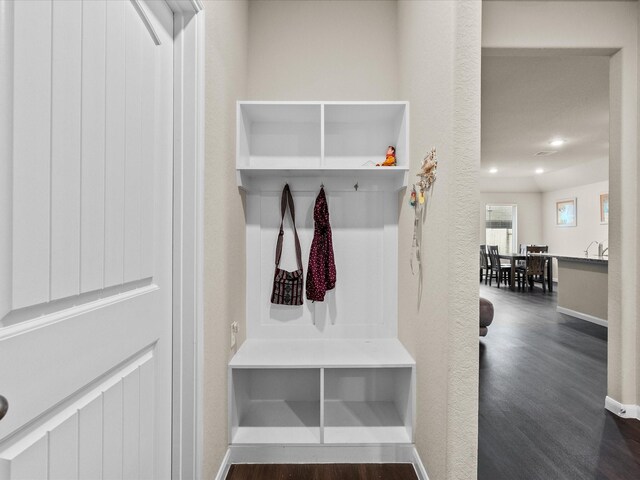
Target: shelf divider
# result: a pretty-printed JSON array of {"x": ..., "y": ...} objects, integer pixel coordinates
[{"x": 322, "y": 405}]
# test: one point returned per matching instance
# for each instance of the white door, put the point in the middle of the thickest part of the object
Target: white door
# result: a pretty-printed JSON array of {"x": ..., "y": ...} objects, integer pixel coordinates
[{"x": 86, "y": 134}]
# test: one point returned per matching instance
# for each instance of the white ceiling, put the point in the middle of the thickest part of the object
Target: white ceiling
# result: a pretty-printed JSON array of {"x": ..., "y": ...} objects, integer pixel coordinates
[{"x": 528, "y": 101}]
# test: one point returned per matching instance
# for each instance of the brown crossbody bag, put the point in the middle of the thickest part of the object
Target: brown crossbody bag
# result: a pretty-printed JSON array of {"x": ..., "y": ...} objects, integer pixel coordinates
[{"x": 287, "y": 286}]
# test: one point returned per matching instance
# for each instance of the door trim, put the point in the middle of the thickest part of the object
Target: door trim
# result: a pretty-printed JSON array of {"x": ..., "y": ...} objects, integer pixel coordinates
[{"x": 188, "y": 250}]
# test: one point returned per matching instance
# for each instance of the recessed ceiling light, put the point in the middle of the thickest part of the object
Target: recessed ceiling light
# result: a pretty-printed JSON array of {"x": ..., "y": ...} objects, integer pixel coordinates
[
  {"x": 493, "y": 170},
  {"x": 539, "y": 170},
  {"x": 556, "y": 142}
]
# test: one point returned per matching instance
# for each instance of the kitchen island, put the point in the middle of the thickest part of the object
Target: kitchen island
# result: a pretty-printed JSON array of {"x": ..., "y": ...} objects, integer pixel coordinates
[{"x": 583, "y": 287}]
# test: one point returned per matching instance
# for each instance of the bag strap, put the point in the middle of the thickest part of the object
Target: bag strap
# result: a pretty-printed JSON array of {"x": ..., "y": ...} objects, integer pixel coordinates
[{"x": 288, "y": 199}]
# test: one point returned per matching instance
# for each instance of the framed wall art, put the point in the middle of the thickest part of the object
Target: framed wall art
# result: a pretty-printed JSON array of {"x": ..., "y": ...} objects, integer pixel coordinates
[
  {"x": 566, "y": 213},
  {"x": 604, "y": 208}
]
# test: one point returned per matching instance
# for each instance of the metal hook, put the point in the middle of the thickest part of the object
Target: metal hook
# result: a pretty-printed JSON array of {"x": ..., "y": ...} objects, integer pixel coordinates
[{"x": 356, "y": 186}]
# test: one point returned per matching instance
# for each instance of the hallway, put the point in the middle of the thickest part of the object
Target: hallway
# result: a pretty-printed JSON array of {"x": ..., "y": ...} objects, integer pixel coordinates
[{"x": 542, "y": 389}]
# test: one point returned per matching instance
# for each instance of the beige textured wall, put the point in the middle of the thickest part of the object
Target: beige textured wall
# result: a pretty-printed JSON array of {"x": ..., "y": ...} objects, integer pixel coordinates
[
  {"x": 224, "y": 279},
  {"x": 613, "y": 26},
  {"x": 440, "y": 71},
  {"x": 317, "y": 50}
]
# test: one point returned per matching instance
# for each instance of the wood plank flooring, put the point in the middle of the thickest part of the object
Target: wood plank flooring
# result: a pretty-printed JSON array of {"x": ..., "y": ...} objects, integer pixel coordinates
[
  {"x": 336, "y": 471},
  {"x": 543, "y": 378}
]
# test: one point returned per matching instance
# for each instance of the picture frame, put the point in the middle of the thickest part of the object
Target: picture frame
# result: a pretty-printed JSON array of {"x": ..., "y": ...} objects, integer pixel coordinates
[
  {"x": 604, "y": 208},
  {"x": 566, "y": 212}
]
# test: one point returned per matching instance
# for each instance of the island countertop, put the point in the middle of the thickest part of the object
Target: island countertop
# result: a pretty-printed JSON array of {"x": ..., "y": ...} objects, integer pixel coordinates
[{"x": 581, "y": 258}]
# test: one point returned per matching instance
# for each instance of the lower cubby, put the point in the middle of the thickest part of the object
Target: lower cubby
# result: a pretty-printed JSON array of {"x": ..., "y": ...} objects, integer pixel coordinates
[
  {"x": 271, "y": 405},
  {"x": 368, "y": 405}
]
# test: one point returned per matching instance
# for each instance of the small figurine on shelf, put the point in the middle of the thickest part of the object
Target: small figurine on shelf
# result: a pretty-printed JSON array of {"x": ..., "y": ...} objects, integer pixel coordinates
[{"x": 390, "y": 161}]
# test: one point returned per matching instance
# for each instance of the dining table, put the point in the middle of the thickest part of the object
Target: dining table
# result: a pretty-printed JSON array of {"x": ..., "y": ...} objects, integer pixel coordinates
[{"x": 515, "y": 257}]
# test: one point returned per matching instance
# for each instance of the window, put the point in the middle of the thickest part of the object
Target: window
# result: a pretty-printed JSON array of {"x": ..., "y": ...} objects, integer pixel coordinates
[{"x": 500, "y": 225}]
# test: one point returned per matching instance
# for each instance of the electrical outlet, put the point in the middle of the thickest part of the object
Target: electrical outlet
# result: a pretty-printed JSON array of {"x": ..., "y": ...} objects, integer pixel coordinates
[{"x": 234, "y": 331}]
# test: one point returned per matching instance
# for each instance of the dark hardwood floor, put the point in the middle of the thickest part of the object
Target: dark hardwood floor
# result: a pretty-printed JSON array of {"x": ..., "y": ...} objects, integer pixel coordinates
[
  {"x": 543, "y": 378},
  {"x": 340, "y": 471}
]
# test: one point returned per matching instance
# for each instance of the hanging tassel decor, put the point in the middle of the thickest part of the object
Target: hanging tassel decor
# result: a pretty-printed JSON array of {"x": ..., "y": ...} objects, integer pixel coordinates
[{"x": 426, "y": 178}]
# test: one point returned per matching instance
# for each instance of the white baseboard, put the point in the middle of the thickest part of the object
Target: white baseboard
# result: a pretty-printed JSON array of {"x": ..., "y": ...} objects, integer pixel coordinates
[
  {"x": 322, "y": 454},
  {"x": 583, "y": 316},
  {"x": 622, "y": 410},
  {"x": 224, "y": 466},
  {"x": 419, "y": 466}
]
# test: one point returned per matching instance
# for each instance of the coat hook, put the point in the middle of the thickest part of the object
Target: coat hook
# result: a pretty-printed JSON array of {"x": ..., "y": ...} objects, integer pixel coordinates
[
  {"x": 356, "y": 186},
  {"x": 322, "y": 185}
]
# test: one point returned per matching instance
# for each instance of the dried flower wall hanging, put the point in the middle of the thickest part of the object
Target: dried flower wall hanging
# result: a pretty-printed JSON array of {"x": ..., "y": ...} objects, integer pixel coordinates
[{"x": 418, "y": 200}]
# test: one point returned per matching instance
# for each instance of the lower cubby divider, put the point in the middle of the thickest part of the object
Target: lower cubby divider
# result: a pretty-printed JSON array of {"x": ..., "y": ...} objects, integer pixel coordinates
[{"x": 322, "y": 406}]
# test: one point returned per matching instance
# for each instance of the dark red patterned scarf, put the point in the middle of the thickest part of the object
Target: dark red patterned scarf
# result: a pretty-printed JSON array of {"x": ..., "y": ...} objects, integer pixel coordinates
[{"x": 321, "y": 272}]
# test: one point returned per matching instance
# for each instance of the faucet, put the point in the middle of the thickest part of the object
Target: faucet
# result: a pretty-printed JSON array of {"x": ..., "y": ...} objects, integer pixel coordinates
[
  {"x": 601, "y": 250},
  {"x": 586, "y": 252}
]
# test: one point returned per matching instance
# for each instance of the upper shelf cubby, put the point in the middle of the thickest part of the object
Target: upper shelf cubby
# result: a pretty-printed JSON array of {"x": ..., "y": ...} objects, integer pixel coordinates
[
  {"x": 279, "y": 135},
  {"x": 339, "y": 141},
  {"x": 358, "y": 134}
]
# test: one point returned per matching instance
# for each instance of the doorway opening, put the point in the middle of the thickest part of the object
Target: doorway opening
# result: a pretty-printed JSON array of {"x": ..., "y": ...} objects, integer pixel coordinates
[{"x": 545, "y": 149}]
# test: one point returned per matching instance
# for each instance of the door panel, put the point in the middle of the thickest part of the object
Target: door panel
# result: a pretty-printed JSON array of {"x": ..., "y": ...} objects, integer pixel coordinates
[
  {"x": 63, "y": 450},
  {"x": 112, "y": 460},
  {"x": 85, "y": 341},
  {"x": 133, "y": 146},
  {"x": 32, "y": 146},
  {"x": 114, "y": 148},
  {"x": 147, "y": 403},
  {"x": 99, "y": 432},
  {"x": 131, "y": 424},
  {"x": 90, "y": 439},
  {"x": 150, "y": 93},
  {"x": 92, "y": 218},
  {"x": 28, "y": 464},
  {"x": 65, "y": 149}
]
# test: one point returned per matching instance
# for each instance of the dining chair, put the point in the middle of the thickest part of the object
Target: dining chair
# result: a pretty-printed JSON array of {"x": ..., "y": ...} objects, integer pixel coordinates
[
  {"x": 484, "y": 264},
  {"x": 521, "y": 267},
  {"x": 501, "y": 271},
  {"x": 536, "y": 265}
]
